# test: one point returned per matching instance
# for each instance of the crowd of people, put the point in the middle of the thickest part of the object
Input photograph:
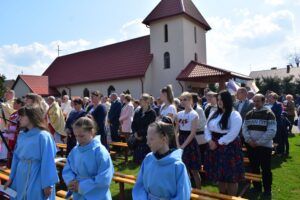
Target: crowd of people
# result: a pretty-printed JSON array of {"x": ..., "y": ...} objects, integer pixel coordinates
[{"x": 171, "y": 138}]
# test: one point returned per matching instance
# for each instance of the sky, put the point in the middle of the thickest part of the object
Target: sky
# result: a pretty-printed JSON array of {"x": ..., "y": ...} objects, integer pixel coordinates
[{"x": 246, "y": 35}]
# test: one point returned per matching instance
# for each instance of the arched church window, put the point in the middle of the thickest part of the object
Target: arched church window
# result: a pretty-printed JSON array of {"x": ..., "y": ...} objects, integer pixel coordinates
[
  {"x": 63, "y": 93},
  {"x": 86, "y": 92},
  {"x": 127, "y": 91},
  {"x": 110, "y": 90},
  {"x": 167, "y": 63}
]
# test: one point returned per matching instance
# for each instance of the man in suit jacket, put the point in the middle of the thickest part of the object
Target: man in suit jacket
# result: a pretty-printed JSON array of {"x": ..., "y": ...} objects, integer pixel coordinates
[
  {"x": 113, "y": 117},
  {"x": 243, "y": 105}
]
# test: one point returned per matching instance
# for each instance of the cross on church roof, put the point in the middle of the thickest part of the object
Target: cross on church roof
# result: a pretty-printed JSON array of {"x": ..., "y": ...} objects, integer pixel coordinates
[{"x": 58, "y": 50}]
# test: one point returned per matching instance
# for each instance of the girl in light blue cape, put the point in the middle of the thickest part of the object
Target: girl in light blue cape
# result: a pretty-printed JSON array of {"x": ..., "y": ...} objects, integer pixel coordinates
[
  {"x": 89, "y": 169},
  {"x": 163, "y": 175},
  {"x": 33, "y": 171}
]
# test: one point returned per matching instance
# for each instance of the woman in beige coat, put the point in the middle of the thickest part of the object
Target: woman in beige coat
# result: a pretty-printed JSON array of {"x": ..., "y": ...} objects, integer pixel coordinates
[{"x": 126, "y": 116}]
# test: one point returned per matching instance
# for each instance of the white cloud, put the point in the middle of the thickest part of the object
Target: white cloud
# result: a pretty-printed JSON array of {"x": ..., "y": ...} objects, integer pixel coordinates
[
  {"x": 36, "y": 57},
  {"x": 244, "y": 12},
  {"x": 108, "y": 42},
  {"x": 275, "y": 2},
  {"x": 133, "y": 29},
  {"x": 252, "y": 43},
  {"x": 282, "y": 2}
]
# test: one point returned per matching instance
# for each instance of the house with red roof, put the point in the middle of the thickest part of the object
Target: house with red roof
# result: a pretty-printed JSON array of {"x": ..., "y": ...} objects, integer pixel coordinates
[
  {"x": 174, "y": 53},
  {"x": 33, "y": 84}
]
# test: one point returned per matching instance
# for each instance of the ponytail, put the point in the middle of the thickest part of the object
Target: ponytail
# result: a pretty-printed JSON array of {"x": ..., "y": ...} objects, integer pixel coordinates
[{"x": 169, "y": 91}]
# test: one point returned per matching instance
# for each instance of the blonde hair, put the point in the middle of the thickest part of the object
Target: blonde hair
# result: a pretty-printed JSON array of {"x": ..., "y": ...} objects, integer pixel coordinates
[
  {"x": 289, "y": 97},
  {"x": 186, "y": 95},
  {"x": 146, "y": 97}
]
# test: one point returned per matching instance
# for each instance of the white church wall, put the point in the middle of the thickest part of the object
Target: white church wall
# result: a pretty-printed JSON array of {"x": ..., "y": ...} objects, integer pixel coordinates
[
  {"x": 148, "y": 81},
  {"x": 133, "y": 85},
  {"x": 160, "y": 76},
  {"x": 181, "y": 46},
  {"x": 21, "y": 89},
  {"x": 190, "y": 47}
]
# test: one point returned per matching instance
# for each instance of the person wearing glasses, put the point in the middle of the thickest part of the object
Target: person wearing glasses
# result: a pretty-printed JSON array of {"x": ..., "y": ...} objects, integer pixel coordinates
[
  {"x": 224, "y": 158},
  {"x": 164, "y": 163},
  {"x": 186, "y": 128}
]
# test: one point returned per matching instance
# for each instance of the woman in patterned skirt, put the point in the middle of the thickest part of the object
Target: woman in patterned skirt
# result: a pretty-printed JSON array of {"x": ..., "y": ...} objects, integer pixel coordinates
[
  {"x": 224, "y": 159},
  {"x": 186, "y": 126}
]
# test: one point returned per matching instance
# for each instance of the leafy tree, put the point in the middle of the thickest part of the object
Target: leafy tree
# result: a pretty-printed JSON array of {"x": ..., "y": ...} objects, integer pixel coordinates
[
  {"x": 2, "y": 87},
  {"x": 270, "y": 83},
  {"x": 287, "y": 85},
  {"x": 213, "y": 87}
]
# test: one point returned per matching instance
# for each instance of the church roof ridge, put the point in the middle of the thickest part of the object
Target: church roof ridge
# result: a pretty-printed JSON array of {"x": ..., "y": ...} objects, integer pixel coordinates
[{"x": 169, "y": 8}]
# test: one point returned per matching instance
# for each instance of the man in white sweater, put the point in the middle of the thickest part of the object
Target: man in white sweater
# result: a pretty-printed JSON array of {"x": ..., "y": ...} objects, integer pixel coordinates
[{"x": 259, "y": 129}]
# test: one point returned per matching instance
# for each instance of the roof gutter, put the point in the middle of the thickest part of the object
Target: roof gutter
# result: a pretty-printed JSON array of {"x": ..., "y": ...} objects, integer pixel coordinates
[
  {"x": 182, "y": 89},
  {"x": 142, "y": 85},
  {"x": 70, "y": 91}
]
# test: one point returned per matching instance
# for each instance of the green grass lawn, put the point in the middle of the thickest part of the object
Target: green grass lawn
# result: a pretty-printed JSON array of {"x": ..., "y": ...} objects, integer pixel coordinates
[{"x": 286, "y": 176}]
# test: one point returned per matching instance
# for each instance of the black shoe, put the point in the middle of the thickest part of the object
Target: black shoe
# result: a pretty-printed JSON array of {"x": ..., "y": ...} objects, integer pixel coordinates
[{"x": 267, "y": 195}]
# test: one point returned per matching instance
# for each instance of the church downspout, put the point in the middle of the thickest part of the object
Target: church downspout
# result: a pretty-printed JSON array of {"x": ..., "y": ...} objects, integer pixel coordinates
[
  {"x": 70, "y": 94},
  {"x": 142, "y": 85},
  {"x": 182, "y": 89}
]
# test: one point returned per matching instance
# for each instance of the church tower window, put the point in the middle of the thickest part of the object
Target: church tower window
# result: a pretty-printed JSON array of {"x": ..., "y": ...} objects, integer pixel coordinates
[
  {"x": 167, "y": 63},
  {"x": 166, "y": 33},
  {"x": 195, "y": 34}
]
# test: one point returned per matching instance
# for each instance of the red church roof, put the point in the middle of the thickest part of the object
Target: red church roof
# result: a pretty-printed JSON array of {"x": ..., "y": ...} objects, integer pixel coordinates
[
  {"x": 201, "y": 72},
  {"x": 169, "y": 8},
  {"x": 36, "y": 84},
  {"x": 129, "y": 59}
]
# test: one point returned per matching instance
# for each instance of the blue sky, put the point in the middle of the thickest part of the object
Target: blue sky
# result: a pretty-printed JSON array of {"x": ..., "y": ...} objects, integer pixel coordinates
[{"x": 246, "y": 34}]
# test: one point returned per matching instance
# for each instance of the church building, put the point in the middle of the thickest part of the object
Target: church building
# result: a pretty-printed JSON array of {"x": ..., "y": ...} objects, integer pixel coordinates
[{"x": 174, "y": 53}]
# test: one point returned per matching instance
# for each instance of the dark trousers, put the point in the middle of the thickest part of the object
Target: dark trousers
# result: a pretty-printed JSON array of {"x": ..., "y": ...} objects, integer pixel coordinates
[
  {"x": 291, "y": 118},
  {"x": 203, "y": 148},
  {"x": 114, "y": 132},
  {"x": 260, "y": 158},
  {"x": 279, "y": 140},
  {"x": 286, "y": 145},
  {"x": 71, "y": 143},
  {"x": 103, "y": 139}
]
